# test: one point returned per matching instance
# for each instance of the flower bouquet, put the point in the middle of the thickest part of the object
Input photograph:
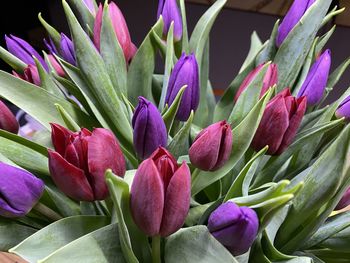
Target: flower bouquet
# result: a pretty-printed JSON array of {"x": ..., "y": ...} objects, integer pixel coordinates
[{"x": 119, "y": 164}]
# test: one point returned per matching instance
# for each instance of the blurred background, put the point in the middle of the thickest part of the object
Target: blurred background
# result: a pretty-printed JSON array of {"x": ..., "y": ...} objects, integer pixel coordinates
[{"x": 230, "y": 37}]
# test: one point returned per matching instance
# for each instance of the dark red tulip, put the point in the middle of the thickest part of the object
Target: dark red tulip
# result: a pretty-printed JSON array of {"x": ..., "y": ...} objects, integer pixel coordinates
[
  {"x": 160, "y": 194},
  {"x": 280, "y": 123},
  {"x": 212, "y": 147},
  {"x": 8, "y": 121},
  {"x": 80, "y": 159}
]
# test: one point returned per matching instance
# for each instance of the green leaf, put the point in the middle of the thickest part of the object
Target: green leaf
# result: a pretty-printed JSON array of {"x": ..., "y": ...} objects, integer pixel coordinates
[
  {"x": 339, "y": 241},
  {"x": 68, "y": 120},
  {"x": 269, "y": 51},
  {"x": 337, "y": 73},
  {"x": 242, "y": 137},
  {"x": 323, "y": 40},
  {"x": 294, "y": 49},
  {"x": 87, "y": 19},
  {"x": 53, "y": 33},
  {"x": 195, "y": 244},
  {"x": 142, "y": 66},
  {"x": 185, "y": 43},
  {"x": 331, "y": 14},
  {"x": 17, "y": 64},
  {"x": 170, "y": 114},
  {"x": 255, "y": 47},
  {"x": 56, "y": 236}
]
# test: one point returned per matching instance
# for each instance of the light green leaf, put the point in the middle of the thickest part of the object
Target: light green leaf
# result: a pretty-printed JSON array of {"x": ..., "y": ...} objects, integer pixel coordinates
[
  {"x": 269, "y": 51},
  {"x": 255, "y": 47},
  {"x": 17, "y": 64},
  {"x": 68, "y": 120},
  {"x": 185, "y": 43},
  {"x": 87, "y": 19},
  {"x": 170, "y": 114},
  {"x": 53, "y": 33}
]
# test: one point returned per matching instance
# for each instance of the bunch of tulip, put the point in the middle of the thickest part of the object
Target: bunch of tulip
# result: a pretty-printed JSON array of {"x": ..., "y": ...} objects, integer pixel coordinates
[{"x": 118, "y": 163}]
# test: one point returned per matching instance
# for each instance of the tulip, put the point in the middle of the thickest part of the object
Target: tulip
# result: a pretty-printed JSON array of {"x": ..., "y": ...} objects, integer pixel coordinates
[
  {"x": 66, "y": 49},
  {"x": 234, "y": 227},
  {"x": 120, "y": 28},
  {"x": 280, "y": 122},
  {"x": 50, "y": 45},
  {"x": 185, "y": 72},
  {"x": 270, "y": 79},
  {"x": 169, "y": 10},
  {"x": 212, "y": 147},
  {"x": 30, "y": 74},
  {"x": 23, "y": 50},
  {"x": 57, "y": 67},
  {"x": 19, "y": 191},
  {"x": 316, "y": 80},
  {"x": 295, "y": 13},
  {"x": 345, "y": 201},
  {"x": 149, "y": 129},
  {"x": 8, "y": 121},
  {"x": 80, "y": 159},
  {"x": 343, "y": 110},
  {"x": 160, "y": 194}
]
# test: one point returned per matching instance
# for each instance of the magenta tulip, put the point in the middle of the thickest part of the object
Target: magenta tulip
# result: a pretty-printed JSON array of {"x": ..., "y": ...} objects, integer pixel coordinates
[{"x": 8, "y": 121}]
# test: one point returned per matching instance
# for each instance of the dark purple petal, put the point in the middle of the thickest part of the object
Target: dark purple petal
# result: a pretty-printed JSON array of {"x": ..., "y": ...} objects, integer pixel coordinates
[
  {"x": 344, "y": 109},
  {"x": 50, "y": 45},
  {"x": 345, "y": 201},
  {"x": 67, "y": 49},
  {"x": 170, "y": 13}
]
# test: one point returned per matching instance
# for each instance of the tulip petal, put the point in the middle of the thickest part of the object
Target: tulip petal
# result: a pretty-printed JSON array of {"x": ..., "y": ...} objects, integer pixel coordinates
[
  {"x": 177, "y": 201},
  {"x": 69, "y": 179},
  {"x": 103, "y": 153},
  {"x": 147, "y": 198},
  {"x": 223, "y": 216},
  {"x": 8, "y": 121},
  {"x": 345, "y": 201},
  {"x": 59, "y": 137}
]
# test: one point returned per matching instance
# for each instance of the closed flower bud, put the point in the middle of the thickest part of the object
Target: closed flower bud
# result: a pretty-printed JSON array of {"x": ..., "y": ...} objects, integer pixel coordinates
[
  {"x": 343, "y": 110},
  {"x": 30, "y": 74},
  {"x": 345, "y": 201},
  {"x": 8, "y": 121},
  {"x": 160, "y": 194},
  {"x": 212, "y": 147},
  {"x": 67, "y": 49},
  {"x": 57, "y": 67},
  {"x": 23, "y": 51},
  {"x": 170, "y": 12},
  {"x": 295, "y": 13},
  {"x": 149, "y": 129},
  {"x": 184, "y": 73},
  {"x": 80, "y": 160},
  {"x": 316, "y": 80},
  {"x": 270, "y": 79},
  {"x": 280, "y": 123},
  {"x": 19, "y": 191},
  {"x": 120, "y": 28},
  {"x": 234, "y": 227}
]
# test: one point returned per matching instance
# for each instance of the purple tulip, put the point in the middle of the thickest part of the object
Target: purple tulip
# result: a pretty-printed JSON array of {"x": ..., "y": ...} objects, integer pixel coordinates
[
  {"x": 280, "y": 123},
  {"x": 184, "y": 73},
  {"x": 8, "y": 121},
  {"x": 212, "y": 147},
  {"x": 343, "y": 110},
  {"x": 316, "y": 80},
  {"x": 24, "y": 51},
  {"x": 295, "y": 13},
  {"x": 170, "y": 12},
  {"x": 160, "y": 194},
  {"x": 67, "y": 49},
  {"x": 234, "y": 227},
  {"x": 149, "y": 129},
  {"x": 270, "y": 79},
  {"x": 50, "y": 45},
  {"x": 19, "y": 191},
  {"x": 80, "y": 160},
  {"x": 345, "y": 201}
]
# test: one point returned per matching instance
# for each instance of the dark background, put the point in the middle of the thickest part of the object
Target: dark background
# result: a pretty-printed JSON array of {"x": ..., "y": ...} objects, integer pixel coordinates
[{"x": 230, "y": 37}]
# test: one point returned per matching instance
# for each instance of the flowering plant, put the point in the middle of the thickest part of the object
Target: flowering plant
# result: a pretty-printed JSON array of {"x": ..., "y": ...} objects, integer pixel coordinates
[{"x": 125, "y": 165}]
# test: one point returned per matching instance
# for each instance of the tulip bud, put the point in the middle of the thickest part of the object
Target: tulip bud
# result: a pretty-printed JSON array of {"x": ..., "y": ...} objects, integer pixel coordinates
[
  {"x": 343, "y": 110},
  {"x": 120, "y": 28},
  {"x": 57, "y": 67},
  {"x": 234, "y": 227},
  {"x": 212, "y": 147},
  {"x": 270, "y": 79},
  {"x": 295, "y": 13},
  {"x": 345, "y": 201},
  {"x": 30, "y": 74},
  {"x": 160, "y": 194},
  {"x": 23, "y": 50},
  {"x": 170, "y": 12},
  {"x": 80, "y": 160},
  {"x": 184, "y": 73},
  {"x": 149, "y": 129},
  {"x": 316, "y": 80},
  {"x": 67, "y": 49},
  {"x": 8, "y": 121},
  {"x": 19, "y": 191},
  {"x": 280, "y": 123}
]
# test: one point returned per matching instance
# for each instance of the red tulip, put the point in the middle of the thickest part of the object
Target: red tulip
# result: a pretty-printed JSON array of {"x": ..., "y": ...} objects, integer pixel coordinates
[
  {"x": 30, "y": 74},
  {"x": 80, "y": 159},
  {"x": 8, "y": 121},
  {"x": 160, "y": 194},
  {"x": 280, "y": 123},
  {"x": 212, "y": 147}
]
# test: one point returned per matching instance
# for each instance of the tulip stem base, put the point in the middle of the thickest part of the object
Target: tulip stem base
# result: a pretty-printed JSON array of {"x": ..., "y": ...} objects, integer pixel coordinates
[
  {"x": 46, "y": 211},
  {"x": 156, "y": 249}
]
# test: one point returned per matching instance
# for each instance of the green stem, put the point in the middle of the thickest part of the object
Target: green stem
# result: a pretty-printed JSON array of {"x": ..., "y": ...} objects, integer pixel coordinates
[
  {"x": 46, "y": 211},
  {"x": 156, "y": 249}
]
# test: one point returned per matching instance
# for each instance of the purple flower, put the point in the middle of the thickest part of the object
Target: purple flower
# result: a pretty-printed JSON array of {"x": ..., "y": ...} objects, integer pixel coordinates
[
  {"x": 295, "y": 13},
  {"x": 19, "y": 191},
  {"x": 50, "y": 45},
  {"x": 184, "y": 73},
  {"x": 345, "y": 201},
  {"x": 169, "y": 10},
  {"x": 344, "y": 109},
  {"x": 316, "y": 80},
  {"x": 67, "y": 49},
  {"x": 23, "y": 50},
  {"x": 234, "y": 227},
  {"x": 149, "y": 129}
]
